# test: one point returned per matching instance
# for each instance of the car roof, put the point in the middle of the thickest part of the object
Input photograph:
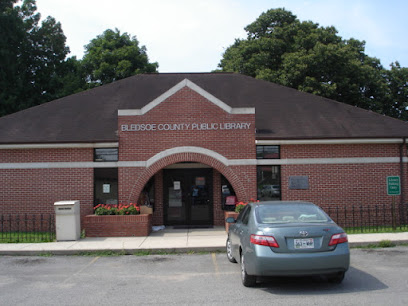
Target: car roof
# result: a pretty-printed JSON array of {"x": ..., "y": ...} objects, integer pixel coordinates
[{"x": 270, "y": 203}]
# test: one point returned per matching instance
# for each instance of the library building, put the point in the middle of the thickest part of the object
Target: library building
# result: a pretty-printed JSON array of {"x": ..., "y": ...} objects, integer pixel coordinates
[{"x": 189, "y": 146}]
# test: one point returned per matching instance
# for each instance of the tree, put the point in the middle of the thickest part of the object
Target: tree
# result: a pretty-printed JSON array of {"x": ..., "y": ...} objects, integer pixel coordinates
[
  {"x": 302, "y": 55},
  {"x": 113, "y": 56},
  {"x": 30, "y": 56},
  {"x": 396, "y": 101}
]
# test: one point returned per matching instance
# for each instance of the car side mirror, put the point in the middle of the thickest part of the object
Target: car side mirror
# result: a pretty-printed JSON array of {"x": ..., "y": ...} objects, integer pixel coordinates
[{"x": 230, "y": 220}]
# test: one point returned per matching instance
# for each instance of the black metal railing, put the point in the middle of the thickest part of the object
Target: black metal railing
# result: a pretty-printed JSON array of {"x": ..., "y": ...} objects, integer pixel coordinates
[
  {"x": 370, "y": 219},
  {"x": 27, "y": 228}
]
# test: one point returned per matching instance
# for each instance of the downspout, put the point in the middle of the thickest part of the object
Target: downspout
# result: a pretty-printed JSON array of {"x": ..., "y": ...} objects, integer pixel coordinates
[{"x": 402, "y": 198}]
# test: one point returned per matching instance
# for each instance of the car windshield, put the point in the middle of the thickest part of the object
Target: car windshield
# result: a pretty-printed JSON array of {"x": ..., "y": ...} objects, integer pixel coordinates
[{"x": 290, "y": 213}]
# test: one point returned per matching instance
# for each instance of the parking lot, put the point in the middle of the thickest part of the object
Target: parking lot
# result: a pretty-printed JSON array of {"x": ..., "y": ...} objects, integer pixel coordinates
[{"x": 376, "y": 277}]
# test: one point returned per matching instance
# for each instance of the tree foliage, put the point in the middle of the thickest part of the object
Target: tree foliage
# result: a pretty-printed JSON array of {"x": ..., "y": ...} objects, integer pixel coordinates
[
  {"x": 33, "y": 64},
  {"x": 113, "y": 56},
  {"x": 302, "y": 55},
  {"x": 31, "y": 54}
]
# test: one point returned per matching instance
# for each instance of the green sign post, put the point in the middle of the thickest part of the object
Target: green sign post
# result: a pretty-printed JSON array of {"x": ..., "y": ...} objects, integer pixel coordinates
[
  {"x": 393, "y": 189},
  {"x": 393, "y": 185}
]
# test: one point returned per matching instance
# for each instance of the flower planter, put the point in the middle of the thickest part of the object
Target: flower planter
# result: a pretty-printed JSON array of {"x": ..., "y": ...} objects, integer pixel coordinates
[
  {"x": 118, "y": 225},
  {"x": 228, "y": 214}
]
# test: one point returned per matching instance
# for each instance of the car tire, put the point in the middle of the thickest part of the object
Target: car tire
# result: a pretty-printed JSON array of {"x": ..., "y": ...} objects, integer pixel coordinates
[
  {"x": 229, "y": 252},
  {"x": 336, "y": 278},
  {"x": 247, "y": 280}
]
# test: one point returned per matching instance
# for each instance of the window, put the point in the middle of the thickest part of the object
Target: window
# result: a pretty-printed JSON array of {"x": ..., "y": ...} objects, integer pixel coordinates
[
  {"x": 105, "y": 186},
  {"x": 148, "y": 194},
  {"x": 227, "y": 192},
  {"x": 267, "y": 152},
  {"x": 245, "y": 217},
  {"x": 106, "y": 154},
  {"x": 269, "y": 183}
]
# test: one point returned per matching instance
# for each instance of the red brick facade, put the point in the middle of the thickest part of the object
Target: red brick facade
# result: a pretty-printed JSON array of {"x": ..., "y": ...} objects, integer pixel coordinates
[
  {"x": 189, "y": 108},
  {"x": 118, "y": 226},
  {"x": 188, "y": 127},
  {"x": 358, "y": 183},
  {"x": 33, "y": 187}
]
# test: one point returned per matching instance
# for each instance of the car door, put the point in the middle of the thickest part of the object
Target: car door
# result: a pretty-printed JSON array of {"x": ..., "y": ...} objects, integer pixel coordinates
[
  {"x": 238, "y": 231},
  {"x": 244, "y": 233}
]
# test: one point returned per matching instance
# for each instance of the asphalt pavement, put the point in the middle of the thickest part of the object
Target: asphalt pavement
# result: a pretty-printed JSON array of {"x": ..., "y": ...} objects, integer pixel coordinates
[{"x": 167, "y": 240}]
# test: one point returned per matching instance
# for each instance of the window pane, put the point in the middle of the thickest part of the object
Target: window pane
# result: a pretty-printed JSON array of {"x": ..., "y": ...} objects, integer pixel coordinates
[
  {"x": 267, "y": 152},
  {"x": 106, "y": 154},
  {"x": 106, "y": 186},
  {"x": 268, "y": 178},
  {"x": 290, "y": 213}
]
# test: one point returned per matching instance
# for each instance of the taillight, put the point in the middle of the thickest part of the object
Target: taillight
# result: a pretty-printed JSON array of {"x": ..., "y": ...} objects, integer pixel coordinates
[
  {"x": 264, "y": 240},
  {"x": 338, "y": 238}
]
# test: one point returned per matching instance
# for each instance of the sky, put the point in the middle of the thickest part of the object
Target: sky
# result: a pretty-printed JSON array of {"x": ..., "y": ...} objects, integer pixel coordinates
[{"x": 192, "y": 35}]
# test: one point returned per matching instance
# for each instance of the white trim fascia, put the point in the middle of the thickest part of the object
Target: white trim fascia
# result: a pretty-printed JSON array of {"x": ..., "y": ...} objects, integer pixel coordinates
[
  {"x": 176, "y": 88},
  {"x": 325, "y": 161},
  {"x": 225, "y": 161},
  {"x": 58, "y": 165},
  {"x": 330, "y": 141},
  {"x": 60, "y": 145}
]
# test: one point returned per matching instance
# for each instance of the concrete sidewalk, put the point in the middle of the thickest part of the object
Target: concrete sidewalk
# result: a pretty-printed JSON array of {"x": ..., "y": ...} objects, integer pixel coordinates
[{"x": 167, "y": 240}]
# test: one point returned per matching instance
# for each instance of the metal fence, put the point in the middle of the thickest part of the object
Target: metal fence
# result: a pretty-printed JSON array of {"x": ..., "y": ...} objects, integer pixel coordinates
[
  {"x": 27, "y": 228},
  {"x": 370, "y": 219}
]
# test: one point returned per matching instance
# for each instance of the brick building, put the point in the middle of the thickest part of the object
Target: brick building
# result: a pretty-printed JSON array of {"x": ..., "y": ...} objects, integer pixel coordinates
[{"x": 184, "y": 143}]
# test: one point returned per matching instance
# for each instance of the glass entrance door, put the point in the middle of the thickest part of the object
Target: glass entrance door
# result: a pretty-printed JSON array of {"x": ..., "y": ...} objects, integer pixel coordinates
[{"x": 187, "y": 195}]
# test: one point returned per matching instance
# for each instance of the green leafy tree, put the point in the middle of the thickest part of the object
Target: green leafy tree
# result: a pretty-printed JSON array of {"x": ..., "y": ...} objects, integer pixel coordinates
[
  {"x": 396, "y": 102},
  {"x": 113, "y": 56},
  {"x": 305, "y": 56},
  {"x": 30, "y": 56}
]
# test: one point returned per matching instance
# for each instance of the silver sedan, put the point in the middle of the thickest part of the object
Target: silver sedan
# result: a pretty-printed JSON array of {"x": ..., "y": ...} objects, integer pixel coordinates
[{"x": 279, "y": 238}]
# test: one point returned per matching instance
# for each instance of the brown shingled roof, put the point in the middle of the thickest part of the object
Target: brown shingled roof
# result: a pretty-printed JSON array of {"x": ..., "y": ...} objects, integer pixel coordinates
[{"x": 281, "y": 112}]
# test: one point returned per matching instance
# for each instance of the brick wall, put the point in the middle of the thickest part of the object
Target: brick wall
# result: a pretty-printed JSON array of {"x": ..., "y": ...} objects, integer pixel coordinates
[
  {"x": 342, "y": 184},
  {"x": 186, "y": 107},
  {"x": 118, "y": 226},
  {"x": 34, "y": 191}
]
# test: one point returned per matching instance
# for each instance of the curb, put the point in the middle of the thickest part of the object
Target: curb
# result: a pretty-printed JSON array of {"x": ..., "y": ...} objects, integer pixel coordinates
[
  {"x": 84, "y": 252},
  {"x": 376, "y": 242},
  {"x": 149, "y": 251}
]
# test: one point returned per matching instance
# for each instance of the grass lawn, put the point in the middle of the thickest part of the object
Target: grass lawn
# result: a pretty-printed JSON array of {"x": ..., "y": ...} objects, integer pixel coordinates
[{"x": 26, "y": 237}]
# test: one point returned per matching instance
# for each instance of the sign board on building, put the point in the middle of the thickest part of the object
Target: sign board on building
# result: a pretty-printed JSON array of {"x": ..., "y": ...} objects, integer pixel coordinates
[
  {"x": 393, "y": 185},
  {"x": 298, "y": 182},
  {"x": 106, "y": 188}
]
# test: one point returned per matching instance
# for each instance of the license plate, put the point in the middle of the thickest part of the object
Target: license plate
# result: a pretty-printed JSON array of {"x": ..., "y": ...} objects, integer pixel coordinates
[{"x": 304, "y": 243}]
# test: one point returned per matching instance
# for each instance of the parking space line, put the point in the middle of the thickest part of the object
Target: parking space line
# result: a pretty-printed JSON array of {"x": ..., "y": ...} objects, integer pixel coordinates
[
  {"x": 80, "y": 271},
  {"x": 214, "y": 259}
]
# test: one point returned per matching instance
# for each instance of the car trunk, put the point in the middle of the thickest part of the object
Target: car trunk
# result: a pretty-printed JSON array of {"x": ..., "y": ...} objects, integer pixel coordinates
[{"x": 301, "y": 237}]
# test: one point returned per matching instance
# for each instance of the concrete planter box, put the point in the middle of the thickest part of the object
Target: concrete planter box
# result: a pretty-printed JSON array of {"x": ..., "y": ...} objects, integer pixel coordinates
[
  {"x": 228, "y": 214},
  {"x": 118, "y": 226}
]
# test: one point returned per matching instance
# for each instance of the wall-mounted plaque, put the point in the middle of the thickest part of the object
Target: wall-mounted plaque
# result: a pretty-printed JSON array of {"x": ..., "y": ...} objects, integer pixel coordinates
[{"x": 299, "y": 182}]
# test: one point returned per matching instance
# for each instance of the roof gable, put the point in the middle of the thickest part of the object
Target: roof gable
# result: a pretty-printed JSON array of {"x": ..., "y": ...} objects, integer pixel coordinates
[{"x": 194, "y": 87}]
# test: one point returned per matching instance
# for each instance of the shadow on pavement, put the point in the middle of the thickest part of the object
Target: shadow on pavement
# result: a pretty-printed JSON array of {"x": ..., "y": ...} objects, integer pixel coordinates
[{"x": 354, "y": 281}]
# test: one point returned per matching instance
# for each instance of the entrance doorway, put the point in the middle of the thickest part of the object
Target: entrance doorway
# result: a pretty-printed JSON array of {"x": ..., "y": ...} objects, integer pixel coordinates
[{"x": 188, "y": 196}]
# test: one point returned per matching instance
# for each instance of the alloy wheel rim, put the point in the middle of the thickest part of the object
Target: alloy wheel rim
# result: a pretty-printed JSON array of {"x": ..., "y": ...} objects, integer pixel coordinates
[{"x": 229, "y": 249}]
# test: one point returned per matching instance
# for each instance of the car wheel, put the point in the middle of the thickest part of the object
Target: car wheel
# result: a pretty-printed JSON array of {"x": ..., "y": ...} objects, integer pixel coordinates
[
  {"x": 229, "y": 252},
  {"x": 247, "y": 280},
  {"x": 336, "y": 278}
]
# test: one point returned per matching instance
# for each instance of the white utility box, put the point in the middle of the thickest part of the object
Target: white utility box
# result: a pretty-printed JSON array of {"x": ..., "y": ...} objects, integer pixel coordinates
[{"x": 67, "y": 220}]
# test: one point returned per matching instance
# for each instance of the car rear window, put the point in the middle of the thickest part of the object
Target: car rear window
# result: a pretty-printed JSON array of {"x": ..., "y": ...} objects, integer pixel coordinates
[{"x": 290, "y": 213}]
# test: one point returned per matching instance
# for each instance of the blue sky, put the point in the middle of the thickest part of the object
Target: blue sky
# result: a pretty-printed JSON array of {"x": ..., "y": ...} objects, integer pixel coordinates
[{"x": 191, "y": 35}]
